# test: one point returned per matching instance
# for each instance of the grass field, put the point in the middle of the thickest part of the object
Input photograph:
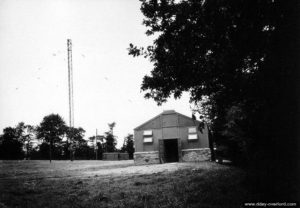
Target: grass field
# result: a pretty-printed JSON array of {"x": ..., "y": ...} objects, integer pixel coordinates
[{"x": 119, "y": 184}]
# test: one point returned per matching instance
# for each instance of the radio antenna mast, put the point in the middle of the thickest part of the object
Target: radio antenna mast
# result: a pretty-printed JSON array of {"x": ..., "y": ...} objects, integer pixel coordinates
[
  {"x": 71, "y": 102},
  {"x": 70, "y": 79}
]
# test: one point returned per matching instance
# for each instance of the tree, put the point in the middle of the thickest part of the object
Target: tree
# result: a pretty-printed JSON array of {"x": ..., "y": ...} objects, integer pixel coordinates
[
  {"x": 76, "y": 139},
  {"x": 26, "y": 135},
  {"x": 97, "y": 146},
  {"x": 242, "y": 57},
  {"x": 43, "y": 151},
  {"x": 110, "y": 141},
  {"x": 51, "y": 129},
  {"x": 128, "y": 145},
  {"x": 10, "y": 146},
  {"x": 228, "y": 51}
]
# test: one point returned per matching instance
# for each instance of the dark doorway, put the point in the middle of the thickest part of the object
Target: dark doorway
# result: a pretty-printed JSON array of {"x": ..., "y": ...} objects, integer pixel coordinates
[{"x": 171, "y": 150}]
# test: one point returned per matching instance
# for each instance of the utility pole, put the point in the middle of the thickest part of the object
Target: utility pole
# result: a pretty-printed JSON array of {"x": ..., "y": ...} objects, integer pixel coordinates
[
  {"x": 71, "y": 101},
  {"x": 96, "y": 146}
]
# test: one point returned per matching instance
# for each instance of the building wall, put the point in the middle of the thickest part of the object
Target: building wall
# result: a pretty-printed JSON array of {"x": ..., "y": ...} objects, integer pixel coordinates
[
  {"x": 170, "y": 133},
  {"x": 140, "y": 146},
  {"x": 170, "y": 126},
  {"x": 185, "y": 121},
  {"x": 201, "y": 142},
  {"x": 169, "y": 120},
  {"x": 154, "y": 123}
]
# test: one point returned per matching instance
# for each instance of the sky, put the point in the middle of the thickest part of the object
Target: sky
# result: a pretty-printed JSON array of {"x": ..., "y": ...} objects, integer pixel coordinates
[{"x": 107, "y": 81}]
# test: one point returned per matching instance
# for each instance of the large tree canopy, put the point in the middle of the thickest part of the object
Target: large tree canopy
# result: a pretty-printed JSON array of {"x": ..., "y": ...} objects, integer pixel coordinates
[
  {"x": 238, "y": 60},
  {"x": 75, "y": 137},
  {"x": 26, "y": 135},
  {"x": 239, "y": 55},
  {"x": 52, "y": 129},
  {"x": 128, "y": 145},
  {"x": 10, "y": 144},
  {"x": 110, "y": 140},
  {"x": 208, "y": 47}
]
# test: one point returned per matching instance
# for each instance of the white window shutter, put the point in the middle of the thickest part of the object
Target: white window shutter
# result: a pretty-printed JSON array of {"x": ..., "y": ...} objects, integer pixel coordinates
[
  {"x": 192, "y": 130},
  {"x": 148, "y": 133},
  {"x": 193, "y": 136}
]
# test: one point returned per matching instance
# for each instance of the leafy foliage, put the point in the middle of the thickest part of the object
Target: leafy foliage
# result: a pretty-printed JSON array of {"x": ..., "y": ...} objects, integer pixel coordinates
[
  {"x": 128, "y": 145},
  {"x": 10, "y": 145},
  {"x": 51, "y": 130},
  {"x": 26, "y": 135},
  {"x": 57, "y": 141},
  {"x": 110, "y": 140},
  {"x": 97, "y": 146},
  {"x": 238, "y": 55},
  {"x": 242, "y": 57},
  {"x": 77, "y": 143},
  {"x": 76, "y": 134}
]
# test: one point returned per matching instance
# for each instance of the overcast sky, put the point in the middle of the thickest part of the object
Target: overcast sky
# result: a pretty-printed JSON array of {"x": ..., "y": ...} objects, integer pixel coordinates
[{"x": 34, "y": 72}]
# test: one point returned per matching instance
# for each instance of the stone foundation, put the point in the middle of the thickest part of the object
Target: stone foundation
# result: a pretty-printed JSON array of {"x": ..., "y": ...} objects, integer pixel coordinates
[
  {"x": 144, "y": 158},
  {"x": 195, "y": 155},
  {"x": 188, "y": 155}
]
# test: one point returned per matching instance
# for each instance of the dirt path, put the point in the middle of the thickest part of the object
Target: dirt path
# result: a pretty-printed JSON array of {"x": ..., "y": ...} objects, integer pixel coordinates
[
  {"x": 84, "y": 169},
  {"x": 147, "y": 169}
]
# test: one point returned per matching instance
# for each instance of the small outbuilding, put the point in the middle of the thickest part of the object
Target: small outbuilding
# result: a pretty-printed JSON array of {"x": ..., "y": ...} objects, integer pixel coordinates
[
  {"x": 115, "y": 156},
  {"x": 170, "y": 137}
]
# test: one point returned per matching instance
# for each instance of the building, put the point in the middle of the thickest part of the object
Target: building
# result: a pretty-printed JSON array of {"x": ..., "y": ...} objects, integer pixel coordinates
[
  {"x": 115, "y": 156},
  {"x": 170, "y": 137}
]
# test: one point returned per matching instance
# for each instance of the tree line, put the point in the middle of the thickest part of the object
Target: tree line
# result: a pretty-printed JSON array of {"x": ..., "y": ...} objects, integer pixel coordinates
[{"x": 52, "y": 139}]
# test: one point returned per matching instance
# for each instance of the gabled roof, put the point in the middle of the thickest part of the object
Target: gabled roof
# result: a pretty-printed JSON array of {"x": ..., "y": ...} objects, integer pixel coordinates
[
  {"x": 152, "y": 119},
  {"x": 166, "y": 112}
]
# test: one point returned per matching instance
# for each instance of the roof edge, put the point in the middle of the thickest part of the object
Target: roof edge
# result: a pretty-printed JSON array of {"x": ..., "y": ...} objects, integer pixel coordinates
[
  {"x": 165, "y": 112},
  {"x": 136, "y": 128}
]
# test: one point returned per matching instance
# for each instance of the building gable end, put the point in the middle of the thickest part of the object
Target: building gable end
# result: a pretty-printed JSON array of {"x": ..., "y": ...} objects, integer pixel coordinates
[
  {"x": 186, "y": 121},
  {"x": 153, "y": 123}
]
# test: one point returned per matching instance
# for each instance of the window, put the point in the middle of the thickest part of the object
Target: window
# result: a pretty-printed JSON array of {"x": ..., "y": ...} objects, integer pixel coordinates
[
  {"x": 192, "y": 130},
  {"x": 193, "y": 136},
  {"x": 148, "y": 137},
  {"x": 148, "y": 133},
  {"x": 192, "y": 133}
]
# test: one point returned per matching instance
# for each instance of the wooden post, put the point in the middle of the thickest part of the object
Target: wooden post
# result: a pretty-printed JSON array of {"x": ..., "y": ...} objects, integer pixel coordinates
[
  {"x": 161, "y": 151},
  {"x": 179, "y": 149},
  {"x": 96, "y": 147}
]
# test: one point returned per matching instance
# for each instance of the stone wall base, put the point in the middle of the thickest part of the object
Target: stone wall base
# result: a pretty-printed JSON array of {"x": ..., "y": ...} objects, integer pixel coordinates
[
  {"x": 144, "y": 158},
  {"x": 188, "y": 155},
  {"x": 195, "y": 155}
]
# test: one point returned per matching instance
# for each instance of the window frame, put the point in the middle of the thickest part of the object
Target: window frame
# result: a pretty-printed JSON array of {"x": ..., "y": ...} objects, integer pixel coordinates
[
  {"x": 147, "y": 136},
  {"x": 192, "y": 133}
]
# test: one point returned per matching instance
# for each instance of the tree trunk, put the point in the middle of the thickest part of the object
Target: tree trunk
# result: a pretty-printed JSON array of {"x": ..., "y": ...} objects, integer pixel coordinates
[
  {"x": 211, "y": 144},
  {"x": 27, "y": 150},
  {"x": 68, "y": 149},
  {"x": 50, "y": 151},
  {"x": 71, "y": 152}
]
